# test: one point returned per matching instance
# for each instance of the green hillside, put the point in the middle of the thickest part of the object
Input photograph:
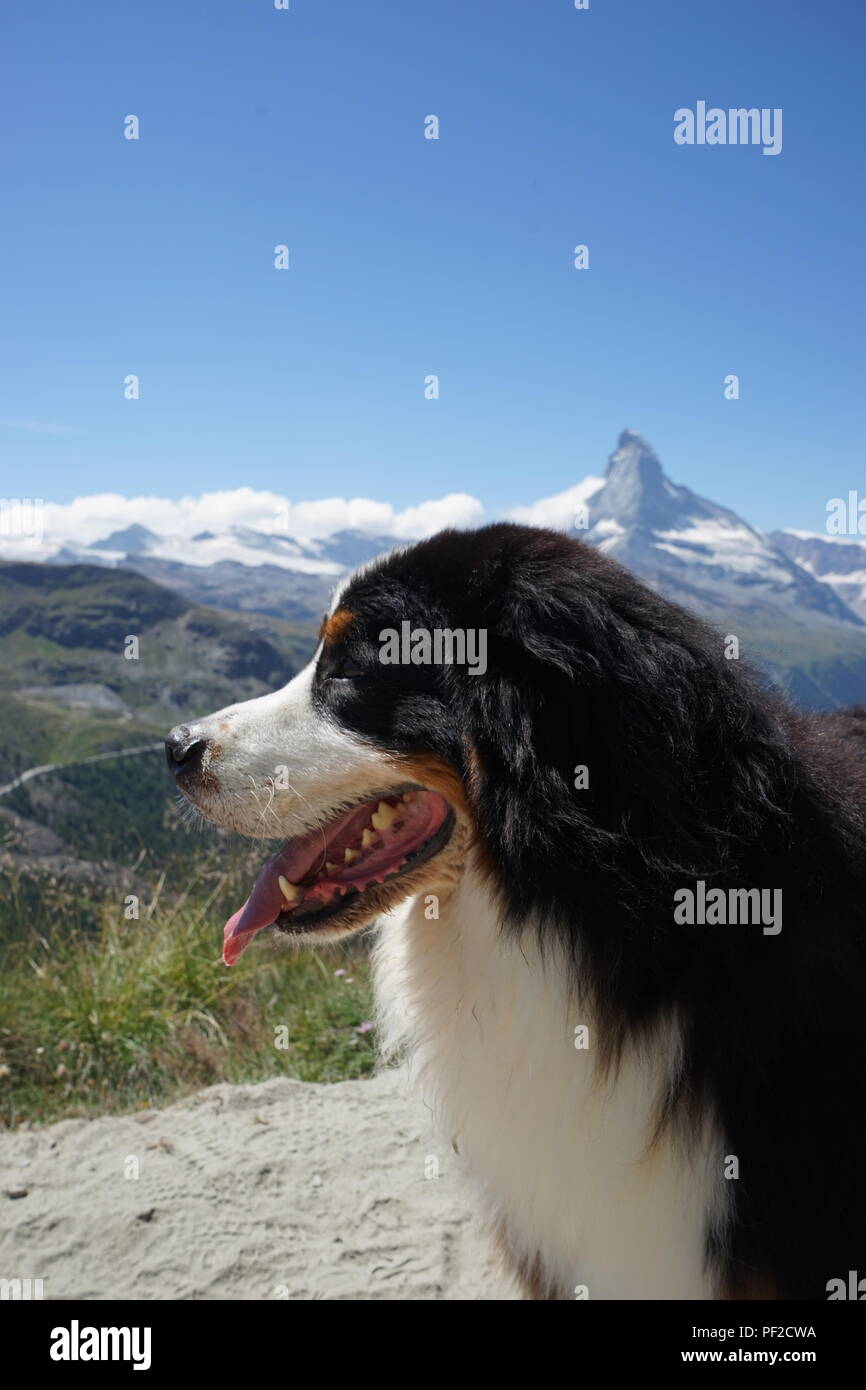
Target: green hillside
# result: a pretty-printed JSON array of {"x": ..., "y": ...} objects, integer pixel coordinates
[
  {"x": 103, "y": 1010},
  {"x": 820, "y": 667},
  {"x": 68, "y": 687},
  {"x": 68, "y": 693}
]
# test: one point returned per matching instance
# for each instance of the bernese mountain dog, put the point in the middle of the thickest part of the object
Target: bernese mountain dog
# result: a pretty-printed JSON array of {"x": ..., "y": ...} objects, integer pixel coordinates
[{"x": 619, "y": 893}]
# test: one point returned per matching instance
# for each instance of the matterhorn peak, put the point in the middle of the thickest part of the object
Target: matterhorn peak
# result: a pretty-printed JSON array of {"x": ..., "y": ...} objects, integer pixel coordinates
[
  {"x": 633, "y": 452},
  {"x": 630, "y": 436},
  {"x": 634, "y": 492}
]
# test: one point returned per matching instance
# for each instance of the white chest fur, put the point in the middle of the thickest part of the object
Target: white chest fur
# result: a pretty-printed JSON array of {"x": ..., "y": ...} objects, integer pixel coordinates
[{"x": 560, "y": 1156}]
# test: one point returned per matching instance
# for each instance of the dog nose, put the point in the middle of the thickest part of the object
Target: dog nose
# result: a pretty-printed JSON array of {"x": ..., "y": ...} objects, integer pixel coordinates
[{"x": 184, "y": 749}]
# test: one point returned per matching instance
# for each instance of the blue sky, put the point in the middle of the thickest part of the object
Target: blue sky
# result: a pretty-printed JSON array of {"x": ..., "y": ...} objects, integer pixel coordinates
[{"x": 411, "y": 256}]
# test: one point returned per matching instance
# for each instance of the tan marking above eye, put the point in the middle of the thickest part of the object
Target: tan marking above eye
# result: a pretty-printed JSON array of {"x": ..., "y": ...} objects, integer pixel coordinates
[{"x": 336, "y": 626}]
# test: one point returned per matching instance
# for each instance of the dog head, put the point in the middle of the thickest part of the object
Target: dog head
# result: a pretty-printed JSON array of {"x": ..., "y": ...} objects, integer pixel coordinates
[{"x": 510, "y": 694}]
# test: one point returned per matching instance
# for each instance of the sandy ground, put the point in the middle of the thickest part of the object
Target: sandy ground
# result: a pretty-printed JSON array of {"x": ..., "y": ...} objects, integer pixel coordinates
[{"x": 280, "y": 1190}]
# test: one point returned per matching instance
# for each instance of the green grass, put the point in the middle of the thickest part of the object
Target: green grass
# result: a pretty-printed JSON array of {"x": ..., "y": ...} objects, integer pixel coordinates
[{"x": 101, "y": 1015}]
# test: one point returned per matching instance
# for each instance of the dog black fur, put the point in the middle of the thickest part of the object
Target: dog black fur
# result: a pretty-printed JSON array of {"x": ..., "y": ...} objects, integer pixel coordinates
[{"x": 697, "y": 770}]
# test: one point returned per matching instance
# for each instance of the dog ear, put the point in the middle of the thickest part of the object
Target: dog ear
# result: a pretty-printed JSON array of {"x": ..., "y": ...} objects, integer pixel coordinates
[{"x": 606, "y": 713}]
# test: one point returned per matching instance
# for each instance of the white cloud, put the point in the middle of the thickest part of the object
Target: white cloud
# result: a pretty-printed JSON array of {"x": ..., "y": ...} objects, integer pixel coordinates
[
  {"x": 318, "y": 520},
  {"x": 88, "y": 519},
  {"x": 278, "y": 521},
  {"x": 558, "y": 511},
  {"x": 457, "y": 509}
]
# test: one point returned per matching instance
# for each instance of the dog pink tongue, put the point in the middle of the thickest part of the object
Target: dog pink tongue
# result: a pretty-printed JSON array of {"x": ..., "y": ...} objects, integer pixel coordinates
[
  {"x": 265, "y": 902},
  {"x": 239, "y": 932}
]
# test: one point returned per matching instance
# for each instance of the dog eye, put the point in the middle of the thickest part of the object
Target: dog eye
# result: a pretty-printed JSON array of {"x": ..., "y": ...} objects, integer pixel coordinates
[{"x": 347, "y": 671}]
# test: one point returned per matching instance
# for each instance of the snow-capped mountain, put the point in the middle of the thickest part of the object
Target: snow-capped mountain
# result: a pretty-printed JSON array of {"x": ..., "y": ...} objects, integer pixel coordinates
[
  {"x": 799, "y": 624},
  {"x": 837, "y": 561},
  {"x": 241, "y": 567},
  {"x": 241, "y": 545},
  {"x": 797, "y": 601},
  {"x": 696, "y": 552}
]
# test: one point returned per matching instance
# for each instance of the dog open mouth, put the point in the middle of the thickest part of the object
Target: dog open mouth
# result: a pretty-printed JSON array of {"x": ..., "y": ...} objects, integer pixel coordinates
[{"x": 316, "y": 877}]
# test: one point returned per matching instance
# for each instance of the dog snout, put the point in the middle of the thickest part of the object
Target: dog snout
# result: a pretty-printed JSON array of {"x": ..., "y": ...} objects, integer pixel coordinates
[{"x": 184, "y": 750}]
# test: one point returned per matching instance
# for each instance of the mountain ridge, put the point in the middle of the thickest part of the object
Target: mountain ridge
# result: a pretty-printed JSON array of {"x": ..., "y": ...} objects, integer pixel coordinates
[
  {"x": 697, "y": 551},
  {"x": 798, "y": 603},
  {"x": 838, "y": 561}
]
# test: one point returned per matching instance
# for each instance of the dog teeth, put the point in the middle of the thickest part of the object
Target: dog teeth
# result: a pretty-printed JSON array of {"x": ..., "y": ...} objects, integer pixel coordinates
[
  {"x": 383, "y": 816},
  {"x": 369, "y": 838},
  {"x": 290, "y": 891},
  {"x": 330, "y": 868},
  {"x": 350, "y": 855}
]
